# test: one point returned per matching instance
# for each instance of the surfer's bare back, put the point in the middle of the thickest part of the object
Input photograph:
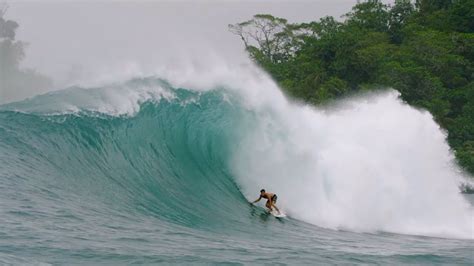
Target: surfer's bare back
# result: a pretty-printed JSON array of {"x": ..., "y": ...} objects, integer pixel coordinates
[{"x": 271, "y": 200}]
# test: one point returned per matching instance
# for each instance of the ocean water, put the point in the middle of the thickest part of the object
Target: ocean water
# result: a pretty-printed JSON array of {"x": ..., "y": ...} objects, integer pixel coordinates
[{"x": 149, "y": 171}]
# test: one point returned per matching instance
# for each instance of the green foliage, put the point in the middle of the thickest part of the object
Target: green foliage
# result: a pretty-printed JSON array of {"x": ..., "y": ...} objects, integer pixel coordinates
[
  {"x": 371, "y": 15},
  {"x": 330, "y": 89},
  {"x": 11, "y": 51},
  {"x": 424, "y": 50},
  {"x": 266, "y": 37},
  {"x": 462, "y": 16},
  {"x": 15, "y": 83},
  {"x": 400, "y": 14}
]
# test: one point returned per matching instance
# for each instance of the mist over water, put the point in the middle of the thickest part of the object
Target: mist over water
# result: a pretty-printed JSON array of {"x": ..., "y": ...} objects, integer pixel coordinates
[{"x": 74, "y": 42}]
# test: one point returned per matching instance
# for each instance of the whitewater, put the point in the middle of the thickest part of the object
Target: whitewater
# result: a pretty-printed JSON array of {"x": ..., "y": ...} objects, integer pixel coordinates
[{"x": 159, "y": 168}]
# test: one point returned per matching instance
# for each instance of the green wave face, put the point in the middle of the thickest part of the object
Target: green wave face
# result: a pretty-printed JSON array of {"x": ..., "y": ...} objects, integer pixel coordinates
[
  {"x": 169, "y": 160},
  {"x": 168, "y": 181}
]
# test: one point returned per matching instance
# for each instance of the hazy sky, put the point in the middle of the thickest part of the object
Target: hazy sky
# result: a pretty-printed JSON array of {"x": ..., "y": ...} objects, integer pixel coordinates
[{"x": 69, "y": 36}]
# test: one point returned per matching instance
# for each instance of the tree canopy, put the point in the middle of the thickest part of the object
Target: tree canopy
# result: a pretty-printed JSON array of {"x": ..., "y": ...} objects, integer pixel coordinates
[
  {"x": 424, "y": 49},
  {"x": 15, "y": 83}
]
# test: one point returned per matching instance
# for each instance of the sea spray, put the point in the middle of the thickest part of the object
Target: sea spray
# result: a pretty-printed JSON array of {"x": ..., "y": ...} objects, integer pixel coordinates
[{"x": 368, "y": 164}]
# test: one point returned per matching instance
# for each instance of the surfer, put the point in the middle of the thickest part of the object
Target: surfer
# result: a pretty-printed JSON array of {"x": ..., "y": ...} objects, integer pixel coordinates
[{"x": 271, "y": 200}]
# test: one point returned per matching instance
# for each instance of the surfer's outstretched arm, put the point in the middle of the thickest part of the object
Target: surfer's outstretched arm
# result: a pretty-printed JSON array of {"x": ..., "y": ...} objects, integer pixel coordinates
[{"x": 257, "y": 200}]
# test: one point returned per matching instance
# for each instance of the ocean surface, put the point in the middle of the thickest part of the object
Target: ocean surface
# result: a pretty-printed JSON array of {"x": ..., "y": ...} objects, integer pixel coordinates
[{"x": 145, "y": 171}]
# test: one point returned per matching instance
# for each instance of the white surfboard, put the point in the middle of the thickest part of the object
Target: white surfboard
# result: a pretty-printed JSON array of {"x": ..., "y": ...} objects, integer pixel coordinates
[{"x": 278, "y": 214}]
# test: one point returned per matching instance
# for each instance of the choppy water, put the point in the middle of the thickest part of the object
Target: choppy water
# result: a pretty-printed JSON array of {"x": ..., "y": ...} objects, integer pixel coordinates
[{"x": 168, "y": 180}]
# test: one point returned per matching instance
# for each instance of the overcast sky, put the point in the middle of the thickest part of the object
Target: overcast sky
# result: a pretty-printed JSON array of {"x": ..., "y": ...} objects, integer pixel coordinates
[{"x": 69, "y": 36}]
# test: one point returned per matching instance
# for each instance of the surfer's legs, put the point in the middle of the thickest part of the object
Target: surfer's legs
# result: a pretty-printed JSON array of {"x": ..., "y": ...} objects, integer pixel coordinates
[{"x": 269, "y": 205}]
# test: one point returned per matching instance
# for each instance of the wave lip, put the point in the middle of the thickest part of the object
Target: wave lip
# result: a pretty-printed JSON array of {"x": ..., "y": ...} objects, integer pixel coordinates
[{"x": 112, "y": 99}]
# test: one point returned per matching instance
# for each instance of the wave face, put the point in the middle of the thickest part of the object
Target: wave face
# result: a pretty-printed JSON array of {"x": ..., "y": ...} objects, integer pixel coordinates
[
  {"x": 151, "y": 164},
  {"x": 164, "y": 159}
]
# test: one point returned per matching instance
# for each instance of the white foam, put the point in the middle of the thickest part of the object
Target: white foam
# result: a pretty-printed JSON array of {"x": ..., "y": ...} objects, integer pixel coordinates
[{"x": 371, "y": 164}]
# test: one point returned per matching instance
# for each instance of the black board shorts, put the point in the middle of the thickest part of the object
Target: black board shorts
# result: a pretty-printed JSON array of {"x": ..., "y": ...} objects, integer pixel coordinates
[{"x": 274, "y": 198}]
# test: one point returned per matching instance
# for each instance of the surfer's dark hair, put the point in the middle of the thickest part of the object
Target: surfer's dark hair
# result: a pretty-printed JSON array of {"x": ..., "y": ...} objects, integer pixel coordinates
[{"x": 262, "y": 190}]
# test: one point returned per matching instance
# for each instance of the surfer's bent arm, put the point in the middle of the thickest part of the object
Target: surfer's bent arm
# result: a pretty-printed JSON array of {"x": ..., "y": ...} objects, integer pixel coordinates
[
  {"x": 274, "y": 206},
  {"x": 257, "y": 200}
]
